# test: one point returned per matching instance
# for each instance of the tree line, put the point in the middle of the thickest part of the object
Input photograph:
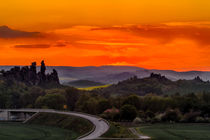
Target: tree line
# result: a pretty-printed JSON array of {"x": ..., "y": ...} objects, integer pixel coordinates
[{"x": 16, "y": 93}]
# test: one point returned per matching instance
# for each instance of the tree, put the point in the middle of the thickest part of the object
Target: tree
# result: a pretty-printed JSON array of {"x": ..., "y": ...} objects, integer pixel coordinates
[
  {"x": 132, "y": 100},
  {"x": 80, "y": 104},
  {"x": 15, "y": 100},
  {"x": 128, "y": 112},
  {"x": 72, "y": 96},
  {"x": 52, "y": 101},
  {"x": 150, "y": 114},
  {"x": 172, "y": 115},
  {"x": 3, "y": 100},
  {"x": 28, "y": 99},
  {"x": 90, "y": 106},
  {"x": 103, "y": 104}
]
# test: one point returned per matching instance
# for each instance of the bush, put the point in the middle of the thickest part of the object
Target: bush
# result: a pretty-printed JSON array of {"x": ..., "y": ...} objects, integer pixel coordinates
[
  {"x": 117, "y": 131},
  {"x": 200, "y": 120},
  {"x": 148, "y": 120},
  {"x": 190, "y": 117},
  {"x": 150, "y": 114},
  {"x": 128, "y": 112},
  {"x": 52, "y": 101},
  {"x": 171, "y": 115},
  {"x": 158, "y": 117},
  {"x": 141, "y": 114},
  {"x": 111, "y": 114},
  {"x": 137, "y": 120}
]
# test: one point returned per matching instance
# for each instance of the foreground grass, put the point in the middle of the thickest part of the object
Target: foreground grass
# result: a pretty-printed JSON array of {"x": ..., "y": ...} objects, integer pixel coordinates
[
  {"x": 19, "y": 131},
  {"x": 176, "y": 131},
  {"x": 77, "y": 125},
  {"x": 117, "y": 131}
]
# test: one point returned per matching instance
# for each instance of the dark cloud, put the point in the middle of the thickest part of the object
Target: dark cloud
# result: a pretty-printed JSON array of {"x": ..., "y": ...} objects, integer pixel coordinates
[
  {"x": 33, "y": 46},
  {"x": 61, "y": 43},
  {"x": 166, "y": 33},
  {"x": 6, "y": 32}
]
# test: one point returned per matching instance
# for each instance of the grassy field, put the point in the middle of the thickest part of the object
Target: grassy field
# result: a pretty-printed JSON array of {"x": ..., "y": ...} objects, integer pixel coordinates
[
  {"x": 18, "y": 131},
  {"x": 46, "y": 126},
  {"x": 74, "y": 124},
  {"x": 118, "y": 131},
  {"x": 176, "y": 131}
]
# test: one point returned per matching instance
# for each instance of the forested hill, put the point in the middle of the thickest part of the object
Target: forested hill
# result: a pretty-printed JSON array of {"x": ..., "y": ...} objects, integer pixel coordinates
[{"x": 156, "y": 84}]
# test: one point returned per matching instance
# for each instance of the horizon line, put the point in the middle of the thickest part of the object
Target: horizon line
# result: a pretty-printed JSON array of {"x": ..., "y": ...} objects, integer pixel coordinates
[{"x": 193, "y": 70}]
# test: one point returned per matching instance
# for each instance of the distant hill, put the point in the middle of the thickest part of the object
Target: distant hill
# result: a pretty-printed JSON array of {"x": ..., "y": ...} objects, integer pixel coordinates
[
  {"x": 156, "y": 84},
  {"x": 114, "y": 74},
  {"x": 84, "y": 83}
]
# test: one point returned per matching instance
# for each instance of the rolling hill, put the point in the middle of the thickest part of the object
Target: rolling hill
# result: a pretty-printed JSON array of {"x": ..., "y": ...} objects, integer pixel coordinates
[
  {"x": 156, "y": 84},
  {"x": 114, "y": 74}
]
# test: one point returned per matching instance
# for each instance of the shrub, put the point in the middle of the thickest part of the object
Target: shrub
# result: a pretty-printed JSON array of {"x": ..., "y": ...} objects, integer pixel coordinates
[
  {"x": 137, "y": 120},
  {"x": 52, "y": 101},
  {"x": 200, "y": 120},
  {"x": 141, "y": 114},
  {"x": 171, "y": 115},
  {"x": 128, "y": 112},
  {"x": 191, "y": 116},
  {"x": 111, "y": 114},
  {"x": 150, "y": 114},
  {"x": 158, "y": 117}
]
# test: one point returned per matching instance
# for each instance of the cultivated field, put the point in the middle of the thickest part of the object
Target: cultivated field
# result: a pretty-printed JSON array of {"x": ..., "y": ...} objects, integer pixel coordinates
[
  {"x": 94, "y": 87},
  {"x": 176, "y": 131}
]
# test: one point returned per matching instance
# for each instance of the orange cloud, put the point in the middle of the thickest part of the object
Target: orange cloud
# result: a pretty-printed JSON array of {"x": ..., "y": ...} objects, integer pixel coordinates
[
  {"x": 169, "y": 32},
  {"x": 34, "y": 46},
  {"x": 177, "y": 46},
  {"x": 6, "y": 32}
]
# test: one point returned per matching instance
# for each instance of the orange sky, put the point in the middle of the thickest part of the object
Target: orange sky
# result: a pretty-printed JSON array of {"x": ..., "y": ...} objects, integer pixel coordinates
[{"x": 154, "y": 34}]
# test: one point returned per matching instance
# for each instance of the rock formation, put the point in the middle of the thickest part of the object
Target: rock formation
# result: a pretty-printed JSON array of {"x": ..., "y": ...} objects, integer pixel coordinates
[{"x": 29, "y": 75}]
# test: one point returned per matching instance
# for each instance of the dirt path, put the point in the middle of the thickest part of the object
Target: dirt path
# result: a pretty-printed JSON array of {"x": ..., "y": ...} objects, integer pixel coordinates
[{"x": 133, "y": 130}]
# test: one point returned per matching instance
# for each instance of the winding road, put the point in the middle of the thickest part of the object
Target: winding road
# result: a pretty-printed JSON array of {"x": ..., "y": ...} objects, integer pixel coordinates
[{"x": 101, "y": 126}]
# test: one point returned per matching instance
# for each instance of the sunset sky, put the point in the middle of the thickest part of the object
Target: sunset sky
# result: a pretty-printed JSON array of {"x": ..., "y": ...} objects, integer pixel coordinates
[{"x": 153, "y": 34}]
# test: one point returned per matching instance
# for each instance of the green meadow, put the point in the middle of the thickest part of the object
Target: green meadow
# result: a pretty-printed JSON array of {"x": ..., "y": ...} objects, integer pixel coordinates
[
  {"x": 176, "y": 131},
  {"x": 19, "y": 131}
]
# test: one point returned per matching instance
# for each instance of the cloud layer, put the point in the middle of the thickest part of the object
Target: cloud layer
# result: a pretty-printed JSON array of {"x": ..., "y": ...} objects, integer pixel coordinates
[
  {"x": 33, "y": 46},
  {"x": 177, "y": 46},
  {"x": 6, "y": 32},
  {"x": 167, "y": 33}
]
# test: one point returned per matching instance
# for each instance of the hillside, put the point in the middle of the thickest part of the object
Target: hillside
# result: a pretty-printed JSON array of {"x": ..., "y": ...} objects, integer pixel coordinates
[
  {"x": 156, "y": 84},
  {"x": 114, "y": 74}
]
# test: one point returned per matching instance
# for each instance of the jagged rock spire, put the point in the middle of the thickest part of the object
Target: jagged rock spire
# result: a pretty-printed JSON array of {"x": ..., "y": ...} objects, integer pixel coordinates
[
  {"x": 43, "y": 67},
  {"x": 29, "y": 75}
]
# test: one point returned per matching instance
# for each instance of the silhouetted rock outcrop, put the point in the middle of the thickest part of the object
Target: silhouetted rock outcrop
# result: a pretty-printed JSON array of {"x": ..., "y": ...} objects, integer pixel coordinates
[
  {"x": 198, "y": 79},
  {"x": 30, "y": 76}
]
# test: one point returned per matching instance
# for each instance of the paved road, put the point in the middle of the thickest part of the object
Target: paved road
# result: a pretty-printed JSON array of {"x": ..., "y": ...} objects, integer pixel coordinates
[{"x": 101, "y": 126}]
